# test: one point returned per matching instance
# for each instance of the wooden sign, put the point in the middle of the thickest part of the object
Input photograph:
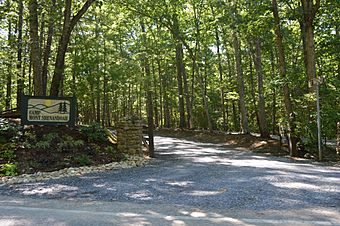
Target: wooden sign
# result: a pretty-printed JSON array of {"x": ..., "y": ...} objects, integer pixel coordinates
[{"x": 44, "y": 110}]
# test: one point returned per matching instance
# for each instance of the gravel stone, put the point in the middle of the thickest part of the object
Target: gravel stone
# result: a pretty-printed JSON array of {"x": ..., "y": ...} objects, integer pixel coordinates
[{"x": 194, "y": 174}]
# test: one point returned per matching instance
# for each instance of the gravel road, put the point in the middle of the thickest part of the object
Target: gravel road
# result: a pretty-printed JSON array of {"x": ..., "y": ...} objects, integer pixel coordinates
[{"x": 201, "y": 175}]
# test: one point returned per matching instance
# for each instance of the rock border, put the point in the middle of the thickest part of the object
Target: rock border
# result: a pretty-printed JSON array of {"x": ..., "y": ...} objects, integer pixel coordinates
[{"x": 132, "y": 161}]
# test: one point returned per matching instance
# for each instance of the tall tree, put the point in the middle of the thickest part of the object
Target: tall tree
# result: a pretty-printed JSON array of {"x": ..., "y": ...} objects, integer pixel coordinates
[
  {"x": 309, "y": 12},
  {"x": 47, "y": 50},
  {"x": 292, "y": 140},
  {"x": 240, "y": 84},
  {"x": 180, "y": 72},
  {"x": 35, "y": 48},
  {"x": 68, "y": 25},
  {"x": 20, "y": 79},
  {"x": 263, "y": 125}
]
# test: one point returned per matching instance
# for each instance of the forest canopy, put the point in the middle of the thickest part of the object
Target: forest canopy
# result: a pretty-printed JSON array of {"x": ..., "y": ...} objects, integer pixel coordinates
[{"x": 230, "y": 65}]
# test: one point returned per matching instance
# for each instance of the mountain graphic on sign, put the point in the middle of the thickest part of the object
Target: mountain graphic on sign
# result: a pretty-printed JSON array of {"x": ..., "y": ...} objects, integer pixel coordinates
[{"x": 59, "y": 108}]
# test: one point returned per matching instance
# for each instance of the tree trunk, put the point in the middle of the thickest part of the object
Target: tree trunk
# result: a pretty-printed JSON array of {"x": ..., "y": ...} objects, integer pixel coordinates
[
  {"x": 35, "y": 48},
  {"x": 20, "y": 79},
  {"x": 272, "y": 65},
  {"x": 47, "y": 50},
  {"x": 204, "y": 97},
  {"x": 161, "y": 88},
  {"x": 220, "y": 72},
  {"x": 292, "y": 140},
  {"x": 155, "y": 99},
  {"x": 187, "y": 97},
  {"x": 197, "y": 70},
  {"x": 105, "y": 92},
  {"x": 252, "y": 84},
  {"x": 240, "y": 85},
  {"x": 261, "y": 103},
  {"x": 93, "y": 103},
  {"x": 179, "y": 63},
  {"x": 236, "y": 122},
  {"x": 148, "y": 84},
  {"x": 63, "y": 43},
  {"x": 8, "y": 100},
  {"x": 309, "y": 11}
]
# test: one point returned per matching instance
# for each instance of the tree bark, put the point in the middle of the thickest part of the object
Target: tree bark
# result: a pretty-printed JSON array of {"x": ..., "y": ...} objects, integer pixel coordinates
[
  {"x": 272, "y": 65},
  {"x": 35, "y": 48},
  {"x": 240, "y": 85},
  {"x": 68, "y": 26},
  {"x": 8, "y": 99},
  {"x": 292, "y": 140},
  {"x": 161, "y": 88},
  {"x": 148, "y": 84},
  {"x": 105, "y": 92},
  {"x": 20, "y": 79},
  {"x": 309, "y": 11},
  {"x": 220, "y": 72},
  {"x": 179, "y": 63},
  {"x": 188, "y": 104},
  {"x": 263, "y": 125},
  {"x": 47, "y": 50},
  {"x": 252, "y": 85},
  {"x": 199, "y": 75}
]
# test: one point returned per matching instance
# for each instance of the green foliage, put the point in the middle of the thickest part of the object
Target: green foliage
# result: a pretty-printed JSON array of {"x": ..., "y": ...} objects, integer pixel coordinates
[
  {"x": 95, "y": 132},
  {"x": 83, "y": 160},
  {"x": 69, "y": 142},
  {"x": 47, "y": 141},
  {"x": 9, "y": 132},
  {"x": 42, "y": 145},
  {"x": 8, "y": 169},
  {"x": 7, "y": 152},
  {"x": 30, "y": 137},
  {"x": 115, "y": 154}
]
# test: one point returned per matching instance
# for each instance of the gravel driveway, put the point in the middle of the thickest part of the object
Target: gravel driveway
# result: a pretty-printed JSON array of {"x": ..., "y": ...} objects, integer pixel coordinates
[{"x": 201, "y": 175}]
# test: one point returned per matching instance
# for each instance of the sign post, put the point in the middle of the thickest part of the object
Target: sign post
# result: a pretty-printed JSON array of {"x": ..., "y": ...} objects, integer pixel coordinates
[{"x": 43, "y": 110}]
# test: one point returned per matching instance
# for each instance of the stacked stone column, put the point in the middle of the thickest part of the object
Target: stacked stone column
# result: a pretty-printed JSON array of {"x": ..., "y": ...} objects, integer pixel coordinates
[{"x": 129, "y": 134}]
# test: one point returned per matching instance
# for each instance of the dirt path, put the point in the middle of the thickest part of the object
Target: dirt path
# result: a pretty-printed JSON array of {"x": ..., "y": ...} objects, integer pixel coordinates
[{"x": 205, "y": 177}]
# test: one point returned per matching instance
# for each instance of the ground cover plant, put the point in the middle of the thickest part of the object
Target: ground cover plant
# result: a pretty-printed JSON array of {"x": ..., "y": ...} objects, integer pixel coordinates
[{"x": 49, "y": 148}]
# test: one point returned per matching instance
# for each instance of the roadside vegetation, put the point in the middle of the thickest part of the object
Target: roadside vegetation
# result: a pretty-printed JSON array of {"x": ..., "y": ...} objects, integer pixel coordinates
[{"x": 49, "y": 148}]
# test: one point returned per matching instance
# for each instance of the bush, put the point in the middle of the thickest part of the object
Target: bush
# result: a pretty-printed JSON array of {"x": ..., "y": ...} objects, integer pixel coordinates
[
  {"x": 83, "y": 160},
  {"x": 95, "y": 132},
  {"x": 46, "y": 141},
  {"x": 9, "y": 132},
  {"x": 8, "y": 169},
  {"x": 69, "y": 142},
  {"x": 7, "y": 152}
]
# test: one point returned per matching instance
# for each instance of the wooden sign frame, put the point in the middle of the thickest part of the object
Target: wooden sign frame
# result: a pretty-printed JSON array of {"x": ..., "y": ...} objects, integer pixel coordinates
[{"x": 46, "y": 110}]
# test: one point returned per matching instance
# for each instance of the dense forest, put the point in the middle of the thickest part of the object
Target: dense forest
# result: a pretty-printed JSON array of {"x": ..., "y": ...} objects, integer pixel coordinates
[{"x": 230, "y": 65}]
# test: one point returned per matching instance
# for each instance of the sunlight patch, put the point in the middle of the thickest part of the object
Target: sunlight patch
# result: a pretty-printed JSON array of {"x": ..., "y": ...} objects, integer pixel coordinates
[
  {"x": 51, "y": 190},
  {"x": 140, "y": 195},
  {"x": 180, "y": 183},
  {"x": 204, "y": 193},
  {"x": 296, "y": 185}
]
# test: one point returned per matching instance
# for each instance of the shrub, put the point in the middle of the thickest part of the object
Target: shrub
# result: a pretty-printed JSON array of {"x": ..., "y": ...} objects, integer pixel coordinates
[
  {"x": 69, "y": 142},
  {"x": 7, "y": 152},
  {"x": 9, "y": 132},
  {"x": 46, "y": 141},
  {"x": 83, "y": 160},
  {"x": 8, "y": 169},
  {"x": 94, "y": 132}
]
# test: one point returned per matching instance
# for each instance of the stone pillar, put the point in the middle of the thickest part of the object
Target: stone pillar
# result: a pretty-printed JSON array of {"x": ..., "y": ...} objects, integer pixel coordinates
[
  {"x": 338, "y": 139},
  {"x": 129, "y": 134}
]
